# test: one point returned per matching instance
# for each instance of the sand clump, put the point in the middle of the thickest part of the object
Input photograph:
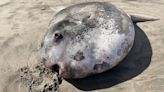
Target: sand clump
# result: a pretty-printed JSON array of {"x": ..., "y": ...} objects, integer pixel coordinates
[{"x": 39, "y": 79}]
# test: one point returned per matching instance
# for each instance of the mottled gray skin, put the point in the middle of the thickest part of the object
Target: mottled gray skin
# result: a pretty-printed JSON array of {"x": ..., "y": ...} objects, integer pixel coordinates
[{"x": 86, "y": 39}]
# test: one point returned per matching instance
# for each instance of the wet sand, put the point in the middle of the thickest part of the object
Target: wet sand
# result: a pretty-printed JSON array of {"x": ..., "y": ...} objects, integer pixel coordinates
[{"x": 23, "y": 24}]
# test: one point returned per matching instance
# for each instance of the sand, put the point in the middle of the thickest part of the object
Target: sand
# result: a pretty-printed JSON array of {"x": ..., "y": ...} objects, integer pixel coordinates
[{"x": 24, "y": 22}]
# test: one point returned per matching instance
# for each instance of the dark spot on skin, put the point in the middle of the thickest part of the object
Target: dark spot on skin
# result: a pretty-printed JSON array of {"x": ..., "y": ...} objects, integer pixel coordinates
[
  {"x": 79, "y": 56},
  {"x": 119, "y": 52},
  {"x": 103, "y": 66}
]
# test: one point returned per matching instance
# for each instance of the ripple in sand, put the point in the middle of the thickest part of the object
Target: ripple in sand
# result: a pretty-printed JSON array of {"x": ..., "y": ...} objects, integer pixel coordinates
[{"x": 4, "y": 2}]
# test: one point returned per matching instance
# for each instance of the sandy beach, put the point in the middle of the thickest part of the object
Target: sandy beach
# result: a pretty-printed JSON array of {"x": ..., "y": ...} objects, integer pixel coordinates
[{"x": 23, "y": 24}]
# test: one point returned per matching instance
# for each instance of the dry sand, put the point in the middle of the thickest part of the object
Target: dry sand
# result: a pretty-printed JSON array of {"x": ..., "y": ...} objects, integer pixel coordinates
[{"x": 24, "y": 22}]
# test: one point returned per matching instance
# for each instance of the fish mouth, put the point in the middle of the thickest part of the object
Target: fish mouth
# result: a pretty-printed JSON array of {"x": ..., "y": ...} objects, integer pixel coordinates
[
  {"x": 55, "y": 67},
  {"x": 60, "y": 68}
]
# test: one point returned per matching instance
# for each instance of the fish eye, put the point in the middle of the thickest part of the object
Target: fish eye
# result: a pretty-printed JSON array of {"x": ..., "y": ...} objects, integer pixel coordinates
[{"x": 57, "y": 37}]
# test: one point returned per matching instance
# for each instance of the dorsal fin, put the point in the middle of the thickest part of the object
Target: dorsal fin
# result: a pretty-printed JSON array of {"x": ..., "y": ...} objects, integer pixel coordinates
[{"x": 142, "y": 18}]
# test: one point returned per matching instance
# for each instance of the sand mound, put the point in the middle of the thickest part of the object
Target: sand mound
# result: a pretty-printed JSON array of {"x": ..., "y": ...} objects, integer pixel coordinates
[{"x": 39, "y": 79}]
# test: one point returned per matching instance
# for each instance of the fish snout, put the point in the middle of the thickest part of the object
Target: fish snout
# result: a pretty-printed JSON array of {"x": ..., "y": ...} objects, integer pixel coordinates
[{"x": 56, "y": 67}]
